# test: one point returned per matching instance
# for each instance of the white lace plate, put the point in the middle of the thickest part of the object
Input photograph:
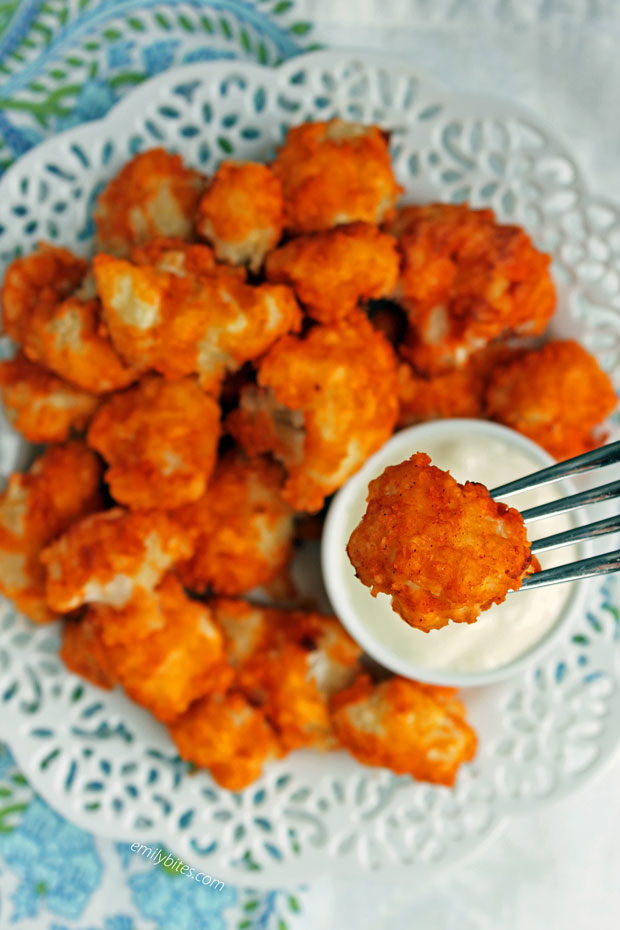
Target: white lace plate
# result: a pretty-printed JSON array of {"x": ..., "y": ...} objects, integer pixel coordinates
[{"x": 103, "y": 762}]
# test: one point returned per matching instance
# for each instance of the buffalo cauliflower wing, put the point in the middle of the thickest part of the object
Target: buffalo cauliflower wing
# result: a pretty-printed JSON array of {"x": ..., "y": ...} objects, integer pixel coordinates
[
  {"x": 242, "y": 528},
  {"x": 335, "y": 172},
  {"x": 225, "y": 734},
  {"x": 159, "y": 440},
  {"x": 557, "y": 396},
  {"x": 290, "y": 663},
  {"x": 84, "y": 653},
  {"x": 333, "y": 271},
  {"x": 154, "y": 194},
  {"x": 241, "y": 213},
  {"x": 191, "y": 321},
  {"x": 62, "y": 486},
  {"x": 42, "y": 407},
  {"x": 466, "y": 280},
  {"x": 37, "y": 282},
  {"x": 324, "y": 403},
  {"x": 110, "y": 556},
  {"x": 442, "y": 550},
  {"x": 171, "y": 654},
  {"x": 411, "y": 728}
]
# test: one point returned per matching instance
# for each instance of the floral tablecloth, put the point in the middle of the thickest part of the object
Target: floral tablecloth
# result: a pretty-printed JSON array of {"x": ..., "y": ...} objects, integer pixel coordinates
[{"x": 63, "y": 62}]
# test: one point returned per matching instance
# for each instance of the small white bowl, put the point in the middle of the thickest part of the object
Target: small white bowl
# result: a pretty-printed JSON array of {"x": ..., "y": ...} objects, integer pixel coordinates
[{"x": 345, "y": 512}]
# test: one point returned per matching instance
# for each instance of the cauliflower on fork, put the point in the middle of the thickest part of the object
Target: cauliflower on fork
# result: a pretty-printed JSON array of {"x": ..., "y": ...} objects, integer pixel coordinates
[
  {"x": 154, "y": 194},
  {"x": 443, "y": 551},
  {"x": 160, "y": 441},
  {"x": 411, "y": 728},
  {"x": 62, "y": 486},
  {"x": 192, "y": 321},
  {"x": 324, "y": 403}
]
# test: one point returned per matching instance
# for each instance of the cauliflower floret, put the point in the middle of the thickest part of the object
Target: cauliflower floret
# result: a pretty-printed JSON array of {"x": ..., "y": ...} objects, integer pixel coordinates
[
  {"x": 335, "y": 172},
  {"x": 290, "y": 663},
  {"x": 154, "y": 194},
  {"x": 38, "y": 281},
  {"x": 110, "y": 556},
  {"x": 242, "y": 528},
  {"x": 62, "y": 486},
  {"x": 42, "y": 407},
  {"x": 411, "y": 728},
  {"x": 442, "y": 550},
  {"x": 69, "y": 339},
  {"x": 466, "y": 280},
  {"x": 160, "y": 442},
  {"x": 241, "y": 213},
  {"x": 204, "y": 323},
  {"x": 325, "y": 402},
  {"x": 84, "y": 653},
  {"x": 163, "y": 648},
  {"x": 333, "y": 271},
  {"x": 556, "y": 395},
  {"x": 227, "y": 735},
  {"x": 174, "y": 255}
]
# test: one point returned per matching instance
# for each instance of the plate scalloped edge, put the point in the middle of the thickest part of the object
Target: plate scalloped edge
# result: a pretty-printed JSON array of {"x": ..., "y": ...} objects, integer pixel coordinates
[{"x": 103, "y": 762}]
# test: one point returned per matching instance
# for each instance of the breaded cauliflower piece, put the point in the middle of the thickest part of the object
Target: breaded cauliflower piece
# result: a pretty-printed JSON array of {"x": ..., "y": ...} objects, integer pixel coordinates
[
  {"x": 37, "y": 281},
  {"x": 557, "y": 395},
  {"x": 466, "y": 280},
  {"x": 290, "y": 663},
  {"x": 458, "y": 392},
  {"x": 335, "y": 172},
  {"x": 70, "y": 340},
  {"x": 159, "y": 440},
  {"x": 333, "y": 271},
  {"x": 84, "y": 653},
  {"x": 325, "y": 402},
  {"x": 227, "y": 735},
  {"x": 442, "y": 550},
  {"x": 205, "y": 323},
  {"x": 110, "y": 556},
  {"x": 42, "y": 407},
  {"x": 174, "y": 255},
  {"x": 180, "y": 660},
  {"x": 62, "y": 486},
  {"x": 242, "y": 213},
  {"x": 154, "y": 194},
  {"x": 411, "y": 728},
  {"x": 242, "y": 527}
]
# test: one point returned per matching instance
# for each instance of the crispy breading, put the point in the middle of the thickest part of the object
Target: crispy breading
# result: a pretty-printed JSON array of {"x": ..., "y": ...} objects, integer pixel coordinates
[
  {"x": 333, "y": 271},
  {"x": 411, "y": 728},
  {"x": 458, "y": 392},
  {"x": 154, "y": 194},
  {"x": 167, "y": 253},
  {"x": 191, "y": 322},
  {"x": 290, "y": 663},
  {"x": 557, "y": 395},
  {"x": 163, "y": 648},
  {"x": 37, "y": 281},
  {"x": 465, "y": 280},
  {"x": 109, "y": 556},
  {"x": 335, "y": 172},
  {"x": 242, "y": 527},
  {"x": 84, "y": 653},
  {"x": 227, "y": 735},
  {"x": 62, "y": 486},
  {"x": 442, "y": 550},
  {"x": 325, "y": 402},
  {"x": 159, "y": 440},
  {"x": 241, "y": 213},
  {"x": 42, "y": 407},
  {"x": 70, "y": 340}
]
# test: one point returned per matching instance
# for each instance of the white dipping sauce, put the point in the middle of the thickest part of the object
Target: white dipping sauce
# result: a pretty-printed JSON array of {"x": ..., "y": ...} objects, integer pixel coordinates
[{"x": 507, "y": 630}]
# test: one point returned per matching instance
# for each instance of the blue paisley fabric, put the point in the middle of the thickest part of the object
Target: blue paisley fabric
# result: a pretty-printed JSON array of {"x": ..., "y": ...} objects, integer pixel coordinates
[{"x": 63, "y": 62}]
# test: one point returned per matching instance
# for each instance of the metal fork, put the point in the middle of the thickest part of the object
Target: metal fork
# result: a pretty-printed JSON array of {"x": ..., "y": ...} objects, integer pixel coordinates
[{"x": 584, "y": 568}]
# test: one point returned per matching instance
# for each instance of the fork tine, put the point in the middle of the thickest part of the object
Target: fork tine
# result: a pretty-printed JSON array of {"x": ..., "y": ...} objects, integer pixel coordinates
[
  {"x": 590, "y": 531},
  {"x": 597, "y": 458},
  {"x": 585, "y": 568},
  {"x": 591, "y": 496}
]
